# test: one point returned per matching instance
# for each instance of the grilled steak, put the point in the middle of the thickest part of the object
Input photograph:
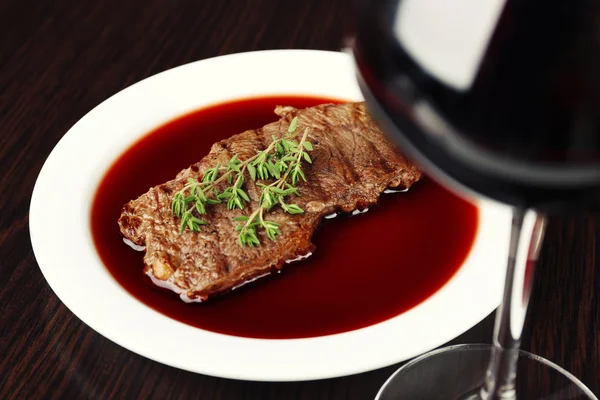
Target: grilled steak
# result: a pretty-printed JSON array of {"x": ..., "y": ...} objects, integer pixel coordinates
[{"x": 353, "y": 163}]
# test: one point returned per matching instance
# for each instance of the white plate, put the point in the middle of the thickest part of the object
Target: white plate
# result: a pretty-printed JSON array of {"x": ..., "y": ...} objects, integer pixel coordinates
[{"x": 60, "y": 233}]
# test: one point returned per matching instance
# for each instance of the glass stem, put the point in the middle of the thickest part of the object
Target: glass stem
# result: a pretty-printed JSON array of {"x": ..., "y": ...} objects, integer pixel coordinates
[{"x": 526, "y": 237}]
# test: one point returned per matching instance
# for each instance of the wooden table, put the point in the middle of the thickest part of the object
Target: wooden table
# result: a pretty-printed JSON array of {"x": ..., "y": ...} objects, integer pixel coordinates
[{"x": 59, "y": 59}]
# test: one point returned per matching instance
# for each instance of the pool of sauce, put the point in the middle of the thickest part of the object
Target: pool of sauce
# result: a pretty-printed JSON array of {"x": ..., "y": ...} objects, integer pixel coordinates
[{"x": 367, "y": 268}]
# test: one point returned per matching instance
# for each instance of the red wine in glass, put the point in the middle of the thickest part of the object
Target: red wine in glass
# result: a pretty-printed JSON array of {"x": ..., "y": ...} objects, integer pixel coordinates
[{"x": 524, "y": 129}]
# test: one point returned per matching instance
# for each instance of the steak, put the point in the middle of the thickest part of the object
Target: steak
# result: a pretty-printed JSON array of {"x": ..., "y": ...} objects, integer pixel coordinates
[{"x": 353, "y": 163}]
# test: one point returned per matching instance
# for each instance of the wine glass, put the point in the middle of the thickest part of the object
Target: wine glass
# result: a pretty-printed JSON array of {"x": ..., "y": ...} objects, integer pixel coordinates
[{"x": 500, "y": 99}]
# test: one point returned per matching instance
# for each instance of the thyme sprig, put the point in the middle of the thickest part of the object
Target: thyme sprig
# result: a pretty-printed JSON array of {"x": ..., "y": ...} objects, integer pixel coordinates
[{"x": 281, "y": 160}]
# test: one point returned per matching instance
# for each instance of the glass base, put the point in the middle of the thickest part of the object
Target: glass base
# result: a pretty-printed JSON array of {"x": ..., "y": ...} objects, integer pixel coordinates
[{"x": 458, "y": 372}]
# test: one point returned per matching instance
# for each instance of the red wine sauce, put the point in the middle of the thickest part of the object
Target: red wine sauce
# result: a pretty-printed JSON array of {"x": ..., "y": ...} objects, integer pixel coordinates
[{"x": 367, "y": 268}]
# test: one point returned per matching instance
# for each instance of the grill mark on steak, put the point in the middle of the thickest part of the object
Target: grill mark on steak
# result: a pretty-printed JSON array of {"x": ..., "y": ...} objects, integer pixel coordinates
[{"x": 353, "y": 163}]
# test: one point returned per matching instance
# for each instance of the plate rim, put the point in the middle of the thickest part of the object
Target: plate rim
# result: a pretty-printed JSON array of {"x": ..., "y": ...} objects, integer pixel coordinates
[{"x": 266, "y": 373}]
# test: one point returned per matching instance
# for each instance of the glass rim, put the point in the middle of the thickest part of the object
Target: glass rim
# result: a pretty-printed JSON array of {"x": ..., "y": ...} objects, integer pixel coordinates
[{"x": 487, "y": 347}]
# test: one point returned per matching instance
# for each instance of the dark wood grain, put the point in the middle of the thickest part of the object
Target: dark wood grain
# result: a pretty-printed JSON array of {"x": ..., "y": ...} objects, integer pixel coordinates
[{"x": 60, "y": 58}]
